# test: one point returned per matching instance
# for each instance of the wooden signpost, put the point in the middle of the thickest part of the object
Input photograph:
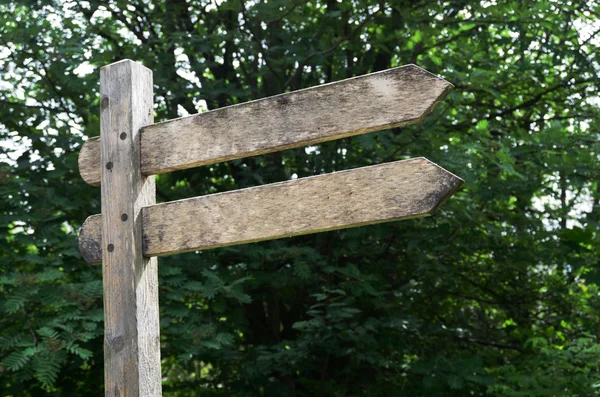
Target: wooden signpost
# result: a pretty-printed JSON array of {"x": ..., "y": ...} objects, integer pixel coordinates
[{"x": 132, "y": 230}]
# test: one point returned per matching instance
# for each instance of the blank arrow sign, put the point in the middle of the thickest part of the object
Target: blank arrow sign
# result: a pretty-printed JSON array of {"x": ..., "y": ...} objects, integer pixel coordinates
[
  {"x": 391, "y": 98},
  {"x": 394, "y": 191}
]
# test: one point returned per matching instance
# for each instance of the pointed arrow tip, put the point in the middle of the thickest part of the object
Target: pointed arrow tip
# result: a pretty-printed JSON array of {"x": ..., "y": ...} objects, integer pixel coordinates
[
  {"x": 436, "y": 89},
  {"x": 447, "y": 184}
]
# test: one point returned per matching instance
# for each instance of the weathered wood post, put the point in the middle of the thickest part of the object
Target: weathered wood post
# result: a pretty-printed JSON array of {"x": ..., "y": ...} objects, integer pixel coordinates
[
  {"x": 132, "y": 230},
  {"x": 131, "y": 323}
]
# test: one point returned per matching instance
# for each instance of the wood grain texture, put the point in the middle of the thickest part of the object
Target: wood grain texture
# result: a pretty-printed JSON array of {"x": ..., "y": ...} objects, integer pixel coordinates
[
  {"x": 391, "y": 98},
  {"x": 131, "y": 315},
  {"x": 380, "y": 193},
  {"x": 89, "y": 161},
  {"x": 90, "y": 239}
]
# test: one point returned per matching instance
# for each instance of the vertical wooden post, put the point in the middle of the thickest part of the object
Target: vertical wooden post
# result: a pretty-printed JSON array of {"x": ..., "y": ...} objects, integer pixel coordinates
[{"x": 131, "y": 322}]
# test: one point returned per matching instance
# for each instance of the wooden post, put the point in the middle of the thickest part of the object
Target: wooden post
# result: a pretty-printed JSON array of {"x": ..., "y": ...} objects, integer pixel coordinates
[
  {"x": 131, "y": 322},
  {"x": 131, "y": 225}
]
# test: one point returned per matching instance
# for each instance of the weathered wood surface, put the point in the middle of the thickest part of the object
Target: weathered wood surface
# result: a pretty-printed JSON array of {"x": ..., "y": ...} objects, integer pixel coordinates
[
  {"x": 380, "y": 193},
  {"x": 89, "y": 161},
  {"x": 90, "y": 239},
  {"x": 391, "y": 98},
  {"x": 131, "y": 316}
]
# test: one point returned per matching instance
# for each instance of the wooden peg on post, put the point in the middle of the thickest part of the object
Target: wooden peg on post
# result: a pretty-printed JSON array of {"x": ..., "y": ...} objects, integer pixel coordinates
[{"x": 131, "y": 322}]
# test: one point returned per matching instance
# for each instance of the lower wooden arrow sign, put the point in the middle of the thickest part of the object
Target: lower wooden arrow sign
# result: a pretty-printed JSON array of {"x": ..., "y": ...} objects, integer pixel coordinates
[{"x": 386, "y": 192}]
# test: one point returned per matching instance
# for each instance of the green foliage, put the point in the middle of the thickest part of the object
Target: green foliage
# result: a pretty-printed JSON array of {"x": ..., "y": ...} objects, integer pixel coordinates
[
  {"x": 564, "y": 370},
  {"x": 494, "y": 295}
]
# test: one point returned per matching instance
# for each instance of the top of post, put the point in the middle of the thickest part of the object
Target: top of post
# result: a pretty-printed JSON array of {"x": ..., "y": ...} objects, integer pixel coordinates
[{"x": 125, "y": 62}]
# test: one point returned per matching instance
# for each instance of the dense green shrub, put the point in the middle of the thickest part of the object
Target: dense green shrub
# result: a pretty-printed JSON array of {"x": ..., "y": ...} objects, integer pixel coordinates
[{"x": 496, "y": 294}]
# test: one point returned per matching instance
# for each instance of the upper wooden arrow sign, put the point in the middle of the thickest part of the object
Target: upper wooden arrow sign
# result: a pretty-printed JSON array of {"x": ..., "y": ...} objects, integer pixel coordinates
[
  {"x": 368, "y": 195},
  {"x": 391, "y": 98}
]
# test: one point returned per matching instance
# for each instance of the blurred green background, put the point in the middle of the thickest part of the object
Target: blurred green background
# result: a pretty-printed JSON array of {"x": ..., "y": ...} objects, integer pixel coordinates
[{"x": 494, "y": 295}]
